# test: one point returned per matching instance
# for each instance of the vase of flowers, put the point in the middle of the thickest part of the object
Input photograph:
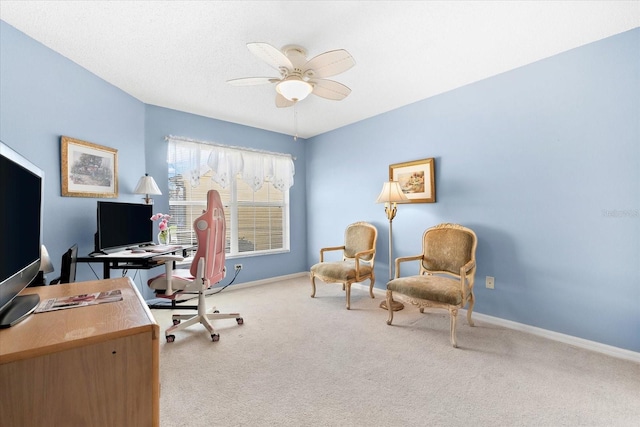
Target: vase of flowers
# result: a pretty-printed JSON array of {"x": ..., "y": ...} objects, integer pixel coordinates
[{"x": 164, "y": 236}]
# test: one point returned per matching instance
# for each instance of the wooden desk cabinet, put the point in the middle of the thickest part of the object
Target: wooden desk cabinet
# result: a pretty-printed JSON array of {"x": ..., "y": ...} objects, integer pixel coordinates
[{"x": 87, "y": 366}]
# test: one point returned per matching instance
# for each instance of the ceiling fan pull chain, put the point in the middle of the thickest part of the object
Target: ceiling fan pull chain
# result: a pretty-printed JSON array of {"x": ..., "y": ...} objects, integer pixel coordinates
[{"x": 295, "y": 121}]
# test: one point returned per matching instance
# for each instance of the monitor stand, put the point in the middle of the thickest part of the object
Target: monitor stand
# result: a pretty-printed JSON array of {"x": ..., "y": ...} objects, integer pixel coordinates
[{"x": 18, "y": 310}]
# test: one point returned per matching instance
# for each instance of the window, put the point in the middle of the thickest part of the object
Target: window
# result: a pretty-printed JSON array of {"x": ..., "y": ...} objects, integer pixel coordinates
[{"x": 254, "y": 187}]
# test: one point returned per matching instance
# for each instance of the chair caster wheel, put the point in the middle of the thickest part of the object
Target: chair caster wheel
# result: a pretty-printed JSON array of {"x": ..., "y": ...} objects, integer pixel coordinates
[
  {"x": 240, "y": 320},
  {"x": 215, "y": 337},
  {"x": 176, "y": 322},
  {"x": 171, "y": 338}
]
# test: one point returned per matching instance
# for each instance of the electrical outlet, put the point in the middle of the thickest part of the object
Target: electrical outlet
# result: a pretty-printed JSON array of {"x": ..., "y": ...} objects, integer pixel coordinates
[
  {"x": 490, "y": 282},
  {"x": 238, "y": 266}
]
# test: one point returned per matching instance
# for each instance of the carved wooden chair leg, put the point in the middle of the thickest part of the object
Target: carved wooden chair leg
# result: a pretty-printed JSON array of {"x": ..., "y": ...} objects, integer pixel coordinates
[
  {"x": 454, "y": 316},
  {"x": 348, "y": 288},
  {"x": 373, "y": 280},
  {"x": 313, "y": 286},
  {"x": 472, "y": 301},
  {"x": 389, "y": 300}
]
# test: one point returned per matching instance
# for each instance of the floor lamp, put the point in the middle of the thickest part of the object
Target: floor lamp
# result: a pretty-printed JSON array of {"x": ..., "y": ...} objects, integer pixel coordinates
[{"x": 390, "y": 195}]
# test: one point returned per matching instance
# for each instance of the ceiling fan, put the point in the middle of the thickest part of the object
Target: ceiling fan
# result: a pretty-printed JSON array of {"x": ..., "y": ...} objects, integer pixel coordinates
[{"x": 298, "y": 76}]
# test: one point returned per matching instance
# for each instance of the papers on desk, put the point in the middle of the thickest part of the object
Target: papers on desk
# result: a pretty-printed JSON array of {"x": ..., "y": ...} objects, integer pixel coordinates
[
  {"x": 158, "y": 249},
  {"x": 82, "y": 300}
]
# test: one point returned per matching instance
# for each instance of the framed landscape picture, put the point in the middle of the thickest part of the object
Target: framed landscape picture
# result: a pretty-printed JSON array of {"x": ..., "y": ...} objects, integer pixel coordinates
[
  {"x": 87, "y": 169},
  {"x": 416, "y": 178}
]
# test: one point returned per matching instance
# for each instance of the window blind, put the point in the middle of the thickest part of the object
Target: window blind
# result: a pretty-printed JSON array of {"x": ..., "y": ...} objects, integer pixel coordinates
[{"x": 253, "y": 185}]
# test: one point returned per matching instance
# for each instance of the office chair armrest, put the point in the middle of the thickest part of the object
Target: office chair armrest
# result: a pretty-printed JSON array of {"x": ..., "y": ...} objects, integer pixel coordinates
[
  {"x": 168, "y": 266},
  {"x": 166, "y": 258}
]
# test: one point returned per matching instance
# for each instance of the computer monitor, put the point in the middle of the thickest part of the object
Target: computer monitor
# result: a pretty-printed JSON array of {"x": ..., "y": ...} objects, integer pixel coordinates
[
  {"x": 122, "y": 225},
  {"x": 21, "y": 195}
]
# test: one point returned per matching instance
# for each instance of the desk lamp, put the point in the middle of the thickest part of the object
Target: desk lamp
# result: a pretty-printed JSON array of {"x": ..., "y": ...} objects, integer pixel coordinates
[
  {"x": 147, "y": 186},
  {"x": 390, "y": 195}
]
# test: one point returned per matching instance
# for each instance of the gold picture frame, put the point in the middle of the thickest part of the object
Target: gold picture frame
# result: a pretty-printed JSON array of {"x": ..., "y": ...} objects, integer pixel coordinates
[
  {"x": 88, "y": 169},
  {"x": 417, "y": 179}
]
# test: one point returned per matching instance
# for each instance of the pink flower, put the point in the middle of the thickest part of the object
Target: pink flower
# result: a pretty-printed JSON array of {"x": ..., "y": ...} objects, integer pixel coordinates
[
  {"x": 164, "y": 220},
  {"x": 160, "y": 216}
]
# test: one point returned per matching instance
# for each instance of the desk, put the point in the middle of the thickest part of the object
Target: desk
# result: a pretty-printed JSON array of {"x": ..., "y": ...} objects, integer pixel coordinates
[
  {"x": 87, "y": 366},
  {"x": 127, "y": 260}
]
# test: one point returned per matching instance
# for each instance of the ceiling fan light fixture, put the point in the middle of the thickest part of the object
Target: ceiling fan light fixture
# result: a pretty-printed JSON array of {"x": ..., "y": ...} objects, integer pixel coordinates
[{"x": 294, "y": 89}]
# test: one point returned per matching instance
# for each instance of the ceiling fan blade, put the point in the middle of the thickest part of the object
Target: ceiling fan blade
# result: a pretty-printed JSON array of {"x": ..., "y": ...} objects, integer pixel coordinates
[
  {"x": 282, "y": 102},
  {"x": 329, "y": 89},
  {"x": 328, "y": 64},
  {"x": 251, "y": 81},
  {"x": 270, "y": 55}
]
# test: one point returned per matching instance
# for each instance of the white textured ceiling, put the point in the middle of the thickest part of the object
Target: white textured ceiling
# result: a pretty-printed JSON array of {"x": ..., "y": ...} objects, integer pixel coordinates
[{"x": 179, "y": 54}]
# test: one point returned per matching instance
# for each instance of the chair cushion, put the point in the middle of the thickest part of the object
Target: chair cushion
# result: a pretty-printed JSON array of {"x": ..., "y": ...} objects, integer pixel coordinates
[
  {"x": 432, "y": 288},
  {"x": 340, "y": 271},
  {"x": 447, "y": 250}
]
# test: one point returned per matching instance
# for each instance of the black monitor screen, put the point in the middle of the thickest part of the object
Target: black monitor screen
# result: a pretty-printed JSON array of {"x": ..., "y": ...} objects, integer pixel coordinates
[
  {"x": 20, "y": 217},
  {"x": 123, "y": 224},
  {"x": 21, "y": 185}
]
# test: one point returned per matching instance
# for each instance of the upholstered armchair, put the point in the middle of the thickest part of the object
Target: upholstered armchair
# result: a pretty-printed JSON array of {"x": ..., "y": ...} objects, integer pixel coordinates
[
  {"x": 357, "y": 264},
  {"x": 447, "y": 268}
]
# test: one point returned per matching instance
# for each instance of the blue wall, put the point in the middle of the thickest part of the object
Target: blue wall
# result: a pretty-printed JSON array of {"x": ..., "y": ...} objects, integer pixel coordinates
[
  {"x": 44, "y": 96},
  {"x": 542, "y": 162}
]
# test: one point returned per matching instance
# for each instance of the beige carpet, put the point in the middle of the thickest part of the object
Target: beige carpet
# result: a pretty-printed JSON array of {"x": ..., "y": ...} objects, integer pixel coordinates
[{"x": 301, "y": 361}]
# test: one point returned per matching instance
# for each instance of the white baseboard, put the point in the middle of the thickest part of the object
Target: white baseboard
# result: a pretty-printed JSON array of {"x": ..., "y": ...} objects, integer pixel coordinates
[
  {"x": 264, "y": 281},
  {"x": 609, "y": 350}
]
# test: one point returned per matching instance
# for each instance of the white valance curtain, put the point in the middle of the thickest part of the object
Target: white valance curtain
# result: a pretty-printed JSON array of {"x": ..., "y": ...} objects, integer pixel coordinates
[{"x": 192, "y": 159}]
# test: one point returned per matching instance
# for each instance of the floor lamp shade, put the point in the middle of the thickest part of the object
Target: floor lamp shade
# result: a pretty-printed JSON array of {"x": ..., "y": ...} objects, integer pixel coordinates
[
  {"x": 147, "y": 186},
  {"x": 390, "y": 195}
]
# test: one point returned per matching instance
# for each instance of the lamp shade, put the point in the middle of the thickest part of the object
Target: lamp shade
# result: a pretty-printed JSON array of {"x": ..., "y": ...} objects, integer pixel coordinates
[
  {"x": 147, "y": 185},
  {"x": 294, "y": 89},
  {"x": 45, "y": 260},
  {"x": 391, "y": 193}
]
